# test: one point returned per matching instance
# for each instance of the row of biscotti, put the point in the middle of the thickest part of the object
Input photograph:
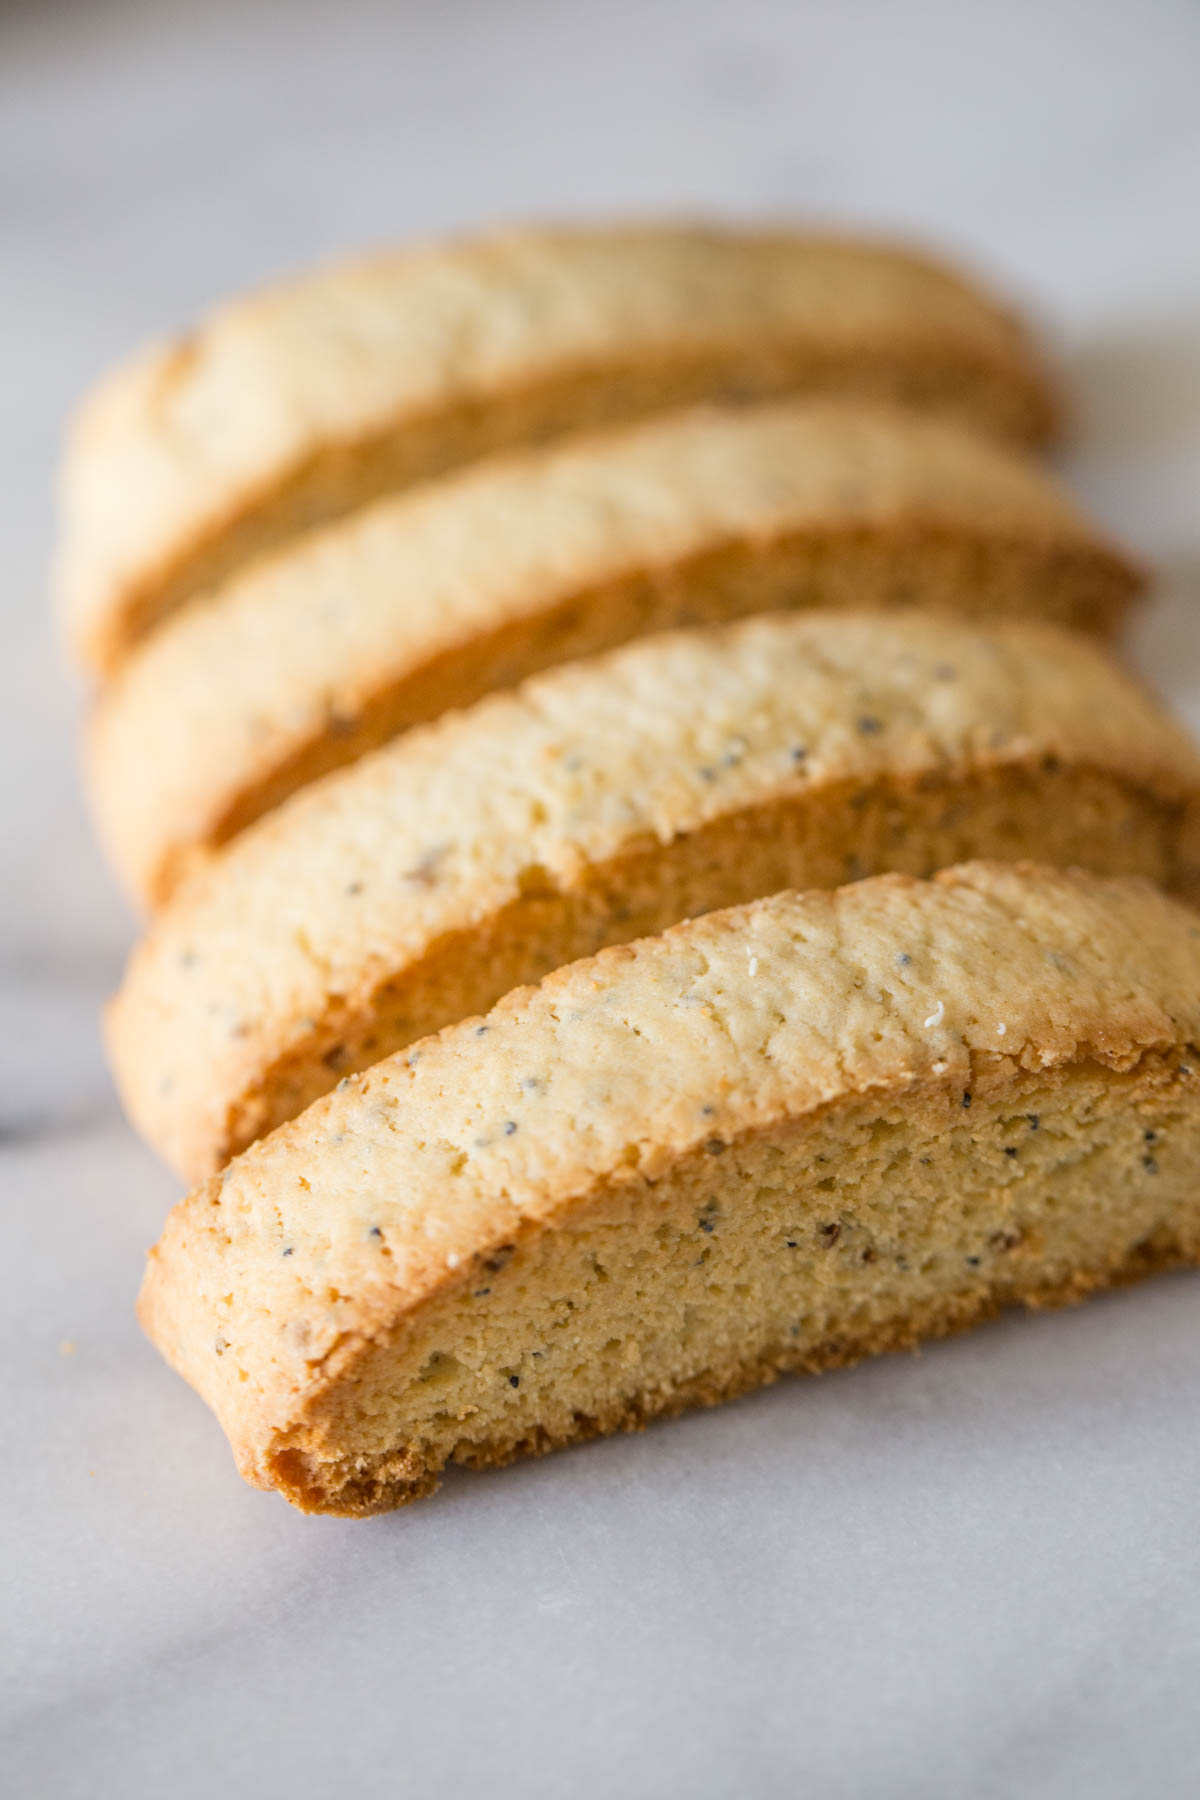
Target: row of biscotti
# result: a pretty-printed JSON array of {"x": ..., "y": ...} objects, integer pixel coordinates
[
  {"x": 298, "y": 405},
  {"x": 427, "y": 601},
  {"x": 597, "y": 803},
  {"x": 609, "y": 799},
  {"x": 345, "y": 384}
]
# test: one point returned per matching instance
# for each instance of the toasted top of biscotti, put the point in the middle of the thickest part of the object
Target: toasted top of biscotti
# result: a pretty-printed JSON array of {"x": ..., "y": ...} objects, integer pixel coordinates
[
  {"x": 298, "y": 403},
  {"x": 489, "y": 847},
  {"x": 430, "y": 599},
  {"x": 272, "y": 1281}
]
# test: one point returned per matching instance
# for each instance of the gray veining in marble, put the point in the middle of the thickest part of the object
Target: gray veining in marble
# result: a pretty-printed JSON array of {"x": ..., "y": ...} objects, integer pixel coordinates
[{"x": 972, "y": 1574}]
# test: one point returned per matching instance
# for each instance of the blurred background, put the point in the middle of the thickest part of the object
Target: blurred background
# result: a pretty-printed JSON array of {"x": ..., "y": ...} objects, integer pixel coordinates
[{"x": 1025, "y": 1620}]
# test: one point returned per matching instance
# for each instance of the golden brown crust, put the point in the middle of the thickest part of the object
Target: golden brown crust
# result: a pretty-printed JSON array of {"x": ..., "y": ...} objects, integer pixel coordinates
[
  {"x": 430, "y": 600},
  {"x": 297, "y": 404},
  {"x": 406, "y": 892}
]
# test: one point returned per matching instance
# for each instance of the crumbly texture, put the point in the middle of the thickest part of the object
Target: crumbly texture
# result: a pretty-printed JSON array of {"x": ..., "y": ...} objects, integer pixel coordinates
[
  {"x": 296, "y": 405},
  {"x": 430, "y": 600},
  {"x": 601, "y": 803},
  {"x": 776, "y": 1137}
]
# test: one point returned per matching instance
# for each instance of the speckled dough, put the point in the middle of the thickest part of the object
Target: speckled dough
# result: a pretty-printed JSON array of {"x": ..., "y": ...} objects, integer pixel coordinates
[
  {"x": 430, "y": 600},
  {"x": 776, "y": 1137},
  {"x": 297, "y": 404},
  {"x": 607, "y": 800}
]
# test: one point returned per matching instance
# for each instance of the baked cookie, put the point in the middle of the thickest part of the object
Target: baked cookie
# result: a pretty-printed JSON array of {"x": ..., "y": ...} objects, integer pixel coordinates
[
  {"x": 296, "y": 405},
  {"x": 429, "y": 600},
  {"x": 607, "y": 800},
  {"x": 780, "y": 1137}
]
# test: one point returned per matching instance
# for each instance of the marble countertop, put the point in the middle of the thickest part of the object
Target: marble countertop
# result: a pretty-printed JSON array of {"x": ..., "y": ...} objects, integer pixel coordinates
[{"x": 976, "y": 1573}]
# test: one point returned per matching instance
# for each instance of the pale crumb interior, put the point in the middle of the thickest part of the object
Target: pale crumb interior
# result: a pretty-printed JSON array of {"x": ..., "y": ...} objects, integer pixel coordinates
[
  {"x": 1061, "y": 815},
  {"x": 858, "y": 1230}
]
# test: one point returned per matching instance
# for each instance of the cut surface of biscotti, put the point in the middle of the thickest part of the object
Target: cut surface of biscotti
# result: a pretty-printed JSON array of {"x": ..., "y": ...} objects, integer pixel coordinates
[
  {"x": 429, "y": 600},
  {"x": 300, "y": 403},
  {"x": 778, "y": 1137},
  {"x": 609, "y": 799}
]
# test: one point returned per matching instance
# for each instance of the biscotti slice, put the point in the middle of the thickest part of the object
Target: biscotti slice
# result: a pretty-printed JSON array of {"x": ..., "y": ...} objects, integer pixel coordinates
[
  {"x": 607, "y": 800},
  {"x": 779, "y": 1137},
  {"x": 430, "y": 600},
  {"x": 298, "y": 404}
]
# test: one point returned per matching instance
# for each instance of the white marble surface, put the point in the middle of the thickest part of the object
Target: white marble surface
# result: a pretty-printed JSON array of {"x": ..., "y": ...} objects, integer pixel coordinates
[{"x": 973, "y": 1574}]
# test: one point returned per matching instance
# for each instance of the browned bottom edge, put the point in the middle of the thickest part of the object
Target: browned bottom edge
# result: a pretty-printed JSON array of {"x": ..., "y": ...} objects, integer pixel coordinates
[{"x": 392, "y": 1481}]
